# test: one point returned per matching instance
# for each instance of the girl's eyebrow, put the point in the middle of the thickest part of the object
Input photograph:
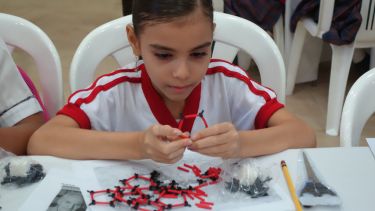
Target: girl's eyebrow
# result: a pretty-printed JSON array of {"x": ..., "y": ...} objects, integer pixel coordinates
[
  {"x": 165, "y": 48},
  {"x": 204, "y": 45},
  {"x": 160, "y": 47}
]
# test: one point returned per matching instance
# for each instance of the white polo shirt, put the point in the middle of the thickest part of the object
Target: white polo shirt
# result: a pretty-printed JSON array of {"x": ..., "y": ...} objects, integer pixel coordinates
[
  {"x": 16, "y": 100},
  {"x": 125, "y": 100}
]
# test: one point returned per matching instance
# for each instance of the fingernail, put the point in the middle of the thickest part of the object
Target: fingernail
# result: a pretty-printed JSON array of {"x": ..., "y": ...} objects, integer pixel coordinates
[
  {"x": 177, "y": 132},
  {"x": 193, "y": 137},
  {"x": 188, "y": 142}
]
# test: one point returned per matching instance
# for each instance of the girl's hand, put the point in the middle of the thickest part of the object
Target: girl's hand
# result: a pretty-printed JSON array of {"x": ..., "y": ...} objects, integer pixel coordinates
[
  {"x": 162, "y": 143},
  {"x": 220, "y": 140}
]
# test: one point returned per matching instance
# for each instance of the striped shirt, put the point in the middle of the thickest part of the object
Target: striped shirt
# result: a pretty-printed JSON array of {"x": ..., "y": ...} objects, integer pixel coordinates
[{"x": 125, "y": 100}]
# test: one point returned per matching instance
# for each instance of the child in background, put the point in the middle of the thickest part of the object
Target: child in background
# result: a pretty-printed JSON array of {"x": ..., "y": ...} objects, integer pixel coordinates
[
  {"x": 20, "y": 112},
  {"x": 133, "y": 114}
]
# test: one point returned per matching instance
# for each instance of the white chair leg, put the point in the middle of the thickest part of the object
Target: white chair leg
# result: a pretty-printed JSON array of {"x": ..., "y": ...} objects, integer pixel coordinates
[
  {"x": 295, "y": 56},
  {"x": 218, "y": 5},
  {"x": 309, "y": 60},
  {"x": 372, "y": 58},
  {"x": 290, "y": 6},
  {"x": 341, "y": 61},
  {"x": 278, "y": 35}
]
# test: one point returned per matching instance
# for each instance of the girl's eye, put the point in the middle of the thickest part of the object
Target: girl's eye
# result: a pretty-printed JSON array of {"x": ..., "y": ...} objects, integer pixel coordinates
[
  {"x": 198, "y": 54},
  {"x": 163, "y": 55}
]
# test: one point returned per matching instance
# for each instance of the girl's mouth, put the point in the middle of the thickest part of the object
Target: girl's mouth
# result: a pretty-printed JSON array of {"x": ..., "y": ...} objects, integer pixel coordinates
[{"x": 180, "y": 89}]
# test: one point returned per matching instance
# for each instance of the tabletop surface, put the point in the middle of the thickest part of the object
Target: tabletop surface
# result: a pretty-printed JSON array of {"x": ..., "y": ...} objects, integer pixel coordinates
[{"x": 349, "y": 171}]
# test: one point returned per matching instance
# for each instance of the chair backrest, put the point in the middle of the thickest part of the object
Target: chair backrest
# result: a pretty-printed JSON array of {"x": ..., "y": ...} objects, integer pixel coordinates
[
  {"x": 20, "y": 33},
  {"x": 324, "y": 21},
  {"x": 256, "y": 42},
  {"x": 359, "y": 106},
  {"x": 110, "y": 40},
  {"x": 366, "y": 34}
]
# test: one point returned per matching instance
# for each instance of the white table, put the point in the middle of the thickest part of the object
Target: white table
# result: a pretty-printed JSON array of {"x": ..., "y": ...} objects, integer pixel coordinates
[
  {"x": 349, "y": 171},
  {"x": 371, "y": 145}
]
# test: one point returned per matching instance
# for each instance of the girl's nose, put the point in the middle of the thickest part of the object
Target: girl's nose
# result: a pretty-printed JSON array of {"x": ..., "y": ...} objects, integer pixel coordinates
[{"x": 182, "y": 71}]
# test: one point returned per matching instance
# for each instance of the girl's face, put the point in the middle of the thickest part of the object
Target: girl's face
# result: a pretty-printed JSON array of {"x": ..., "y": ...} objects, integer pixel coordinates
[{"x": 176, "y": 54}]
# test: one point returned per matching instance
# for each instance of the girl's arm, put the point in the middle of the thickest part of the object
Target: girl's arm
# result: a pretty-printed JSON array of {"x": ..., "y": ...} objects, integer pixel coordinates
[
  {"x": 62, "y": 137},
  {"x": 284, "y": 131},
  {"x": 14, "y": 139}
]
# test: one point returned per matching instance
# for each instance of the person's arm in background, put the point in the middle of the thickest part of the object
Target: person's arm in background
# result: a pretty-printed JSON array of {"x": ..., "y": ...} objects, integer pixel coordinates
[
  {"x": 15, "y": 139},
  {"x": 20, "y": 112}
]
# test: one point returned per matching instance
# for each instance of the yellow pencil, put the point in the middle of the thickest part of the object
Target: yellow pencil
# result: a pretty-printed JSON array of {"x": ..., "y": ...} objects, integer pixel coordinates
[{"x": 290, "y": 186}]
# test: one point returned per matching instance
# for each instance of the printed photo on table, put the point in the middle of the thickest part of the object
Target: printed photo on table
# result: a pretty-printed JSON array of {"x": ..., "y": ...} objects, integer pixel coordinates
[{"x": 68, "y": 199}]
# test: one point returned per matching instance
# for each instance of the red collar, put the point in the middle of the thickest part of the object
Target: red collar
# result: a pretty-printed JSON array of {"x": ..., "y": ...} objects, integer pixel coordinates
[{"x": 160, "y": 110}]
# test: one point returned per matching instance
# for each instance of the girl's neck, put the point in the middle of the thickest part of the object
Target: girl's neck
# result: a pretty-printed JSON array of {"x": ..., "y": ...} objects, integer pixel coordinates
[{"x": 176, "y": 108}]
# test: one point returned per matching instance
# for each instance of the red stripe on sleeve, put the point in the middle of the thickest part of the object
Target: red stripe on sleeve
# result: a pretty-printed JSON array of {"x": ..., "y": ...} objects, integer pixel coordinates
[
  {"x": 77, "y": 114},
  {"x": 241, "y": 77},
  {"x": 265, "y": 113}
]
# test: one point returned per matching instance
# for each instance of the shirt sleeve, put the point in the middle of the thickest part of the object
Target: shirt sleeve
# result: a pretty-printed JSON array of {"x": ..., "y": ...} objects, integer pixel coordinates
[
  {"x": 75, "y": 112},
  {"x": 91, "y": 107},
  {"x": 253, "y": 104},
  {"x": 16, "y": 100}
]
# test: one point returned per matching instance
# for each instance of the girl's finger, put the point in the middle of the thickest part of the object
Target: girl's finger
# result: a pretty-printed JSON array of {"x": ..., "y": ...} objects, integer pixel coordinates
[
  {"x": 172, "y": 158},
  {"x": 176, "y": 154},
  {"x": 184, "y": 135},
  {"x": 165, "y": 131},
  {"x": 213, "y": 130},
  {"x": 173, "y": 146},
  {"x": 214, "y": 150},
  {"x": 209, "y": 142}
]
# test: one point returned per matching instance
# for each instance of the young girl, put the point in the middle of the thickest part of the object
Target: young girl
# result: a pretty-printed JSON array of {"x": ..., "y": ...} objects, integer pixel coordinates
[{"x": 135, "y": 113}]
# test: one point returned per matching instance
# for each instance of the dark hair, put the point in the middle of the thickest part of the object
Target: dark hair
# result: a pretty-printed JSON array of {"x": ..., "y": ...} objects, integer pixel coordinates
[{"x": 163, "y": 11}]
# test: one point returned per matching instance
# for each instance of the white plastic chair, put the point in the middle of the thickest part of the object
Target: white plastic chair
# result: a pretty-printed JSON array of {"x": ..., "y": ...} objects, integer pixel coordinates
[
  {"x": 341, "y": 56},
  {"x": 278, "y": 36},
  {"x": 358, "y": 108},
  {"x": 218, "y": 5},
  {"x": 244, "y": 59},
  {"x": 110, "y": 40},
  {"x": 20, "y": 33}
]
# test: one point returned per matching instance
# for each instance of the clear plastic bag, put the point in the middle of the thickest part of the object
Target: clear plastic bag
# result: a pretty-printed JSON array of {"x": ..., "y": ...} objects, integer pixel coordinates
[
  {"x": 4, "y": 153},
  {"x": 313, "y": 190},
  {"x": 20, "y": 171},
  {"x": 247, "y": 180}
]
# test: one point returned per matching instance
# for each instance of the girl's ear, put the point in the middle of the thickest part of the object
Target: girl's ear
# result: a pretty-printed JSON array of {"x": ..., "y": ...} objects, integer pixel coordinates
[{"x": 133, "y": 40}]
